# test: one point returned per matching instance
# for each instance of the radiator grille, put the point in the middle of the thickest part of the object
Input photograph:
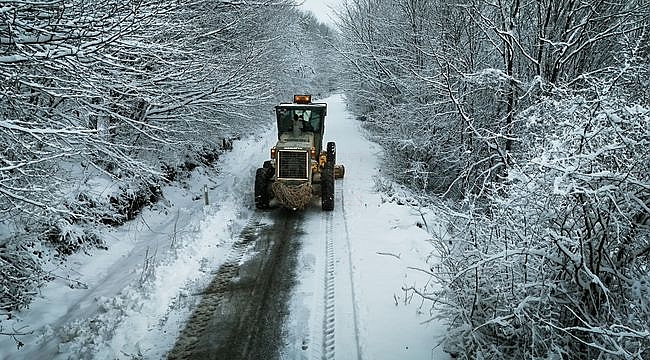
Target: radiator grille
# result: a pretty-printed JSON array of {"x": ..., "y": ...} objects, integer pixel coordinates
[{"x": 293, "y": 164}]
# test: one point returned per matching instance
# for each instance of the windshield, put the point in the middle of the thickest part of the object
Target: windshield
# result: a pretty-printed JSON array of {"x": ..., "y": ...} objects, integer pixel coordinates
[{"x": 311, "y": 120}]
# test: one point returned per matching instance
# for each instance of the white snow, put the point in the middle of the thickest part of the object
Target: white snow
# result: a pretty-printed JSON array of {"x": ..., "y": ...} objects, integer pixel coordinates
[{"x": 132, "y": 301}]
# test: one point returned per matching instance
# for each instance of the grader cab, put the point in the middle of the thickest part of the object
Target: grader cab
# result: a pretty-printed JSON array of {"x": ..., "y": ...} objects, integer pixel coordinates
[{"x": 299, "y": 168}]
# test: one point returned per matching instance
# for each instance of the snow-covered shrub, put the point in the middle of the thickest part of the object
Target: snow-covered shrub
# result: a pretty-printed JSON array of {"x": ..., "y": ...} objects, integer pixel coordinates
[
  {"x": 178, "y": 164},
  {"x": 557, "y": 267},
  {"x": 20, "y": 275},
  {"x": 132, "y": 198},
  {"x": 68, "y": 237}
]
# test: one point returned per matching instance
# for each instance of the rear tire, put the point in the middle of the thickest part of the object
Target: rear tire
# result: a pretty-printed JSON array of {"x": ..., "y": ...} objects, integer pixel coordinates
[
  {"x": 262, "y": 196},
  {"x": 327, "y": 188}
]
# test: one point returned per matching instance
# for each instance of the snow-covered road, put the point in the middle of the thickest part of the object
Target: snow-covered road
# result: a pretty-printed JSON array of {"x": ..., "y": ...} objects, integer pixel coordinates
[
  {"x": 353, "y": 263},
  {"x": 370, "y": 249}
]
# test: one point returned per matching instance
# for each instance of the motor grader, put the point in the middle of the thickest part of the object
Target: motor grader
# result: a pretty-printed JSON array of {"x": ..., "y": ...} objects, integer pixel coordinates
[{"x": 299, "y": 168}]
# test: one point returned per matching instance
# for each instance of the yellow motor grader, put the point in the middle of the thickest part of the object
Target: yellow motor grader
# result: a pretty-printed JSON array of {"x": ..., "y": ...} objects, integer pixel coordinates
[{"x": 299, "y": 167}]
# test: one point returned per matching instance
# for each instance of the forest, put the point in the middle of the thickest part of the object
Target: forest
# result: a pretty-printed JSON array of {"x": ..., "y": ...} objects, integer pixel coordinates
[{"x": 526, "y": 123}]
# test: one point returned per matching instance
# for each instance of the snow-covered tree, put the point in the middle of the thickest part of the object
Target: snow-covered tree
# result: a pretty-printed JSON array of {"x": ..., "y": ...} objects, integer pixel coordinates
[
  {"x": 454, "y": 81},
  {"x": 131, "y": 92},
  {"x": 559, "y": 266}
]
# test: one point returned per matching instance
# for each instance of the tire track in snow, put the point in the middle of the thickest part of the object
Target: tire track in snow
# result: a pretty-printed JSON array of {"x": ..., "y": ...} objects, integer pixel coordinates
[
  {"x": 242, "y": 311},
  {"x": 213, "y": 294},
  {"x": 338, "y": 258},
  {"x": 330, "y": 294}
]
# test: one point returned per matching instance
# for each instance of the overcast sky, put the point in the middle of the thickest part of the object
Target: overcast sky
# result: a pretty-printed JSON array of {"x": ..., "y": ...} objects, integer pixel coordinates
[{"x": 321, "y": 8}]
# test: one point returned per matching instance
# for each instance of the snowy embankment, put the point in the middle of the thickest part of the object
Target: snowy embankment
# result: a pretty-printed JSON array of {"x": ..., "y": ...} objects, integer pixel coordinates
[{"x": 132, "y": 301}]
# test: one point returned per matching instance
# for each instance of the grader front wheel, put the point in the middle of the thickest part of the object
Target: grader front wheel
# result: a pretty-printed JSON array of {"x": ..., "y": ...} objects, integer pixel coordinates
[{"x": 262, "y": 195}]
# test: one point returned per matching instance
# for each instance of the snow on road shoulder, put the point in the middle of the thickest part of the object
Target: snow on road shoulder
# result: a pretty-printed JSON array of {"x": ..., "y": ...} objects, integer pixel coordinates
[
  {"x": 131, "y": 301},
  {"x": 389, "y": 246},
  {"x": 390, "y": 251}
]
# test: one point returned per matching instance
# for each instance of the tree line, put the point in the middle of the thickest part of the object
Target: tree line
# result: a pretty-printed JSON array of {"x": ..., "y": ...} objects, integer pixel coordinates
[{"x": 529, "y": 123}]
